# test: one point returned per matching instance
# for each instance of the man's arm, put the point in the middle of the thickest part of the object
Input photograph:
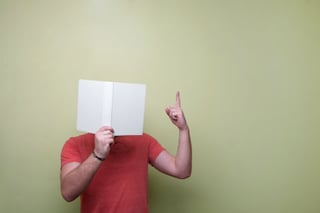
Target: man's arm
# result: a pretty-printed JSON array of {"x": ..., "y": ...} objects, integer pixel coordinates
[
  {"x": 179, "y": 166},
  {"x": 75, "y": 177}
]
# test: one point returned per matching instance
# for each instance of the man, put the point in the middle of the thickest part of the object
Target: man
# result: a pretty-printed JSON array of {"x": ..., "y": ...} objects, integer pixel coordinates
[{"x": 110, "y": 174}]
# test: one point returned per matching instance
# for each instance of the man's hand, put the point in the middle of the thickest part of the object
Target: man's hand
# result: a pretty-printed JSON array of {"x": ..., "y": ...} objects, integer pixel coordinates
[
  {"x": 103, "y": 140},
  {"x": 176, "y": 115},
  {"x": 180, "y": 165}
]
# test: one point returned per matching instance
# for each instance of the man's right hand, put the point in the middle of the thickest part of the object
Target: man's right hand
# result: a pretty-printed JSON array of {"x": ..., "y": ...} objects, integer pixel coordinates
[{"x": 103, "y": 140}]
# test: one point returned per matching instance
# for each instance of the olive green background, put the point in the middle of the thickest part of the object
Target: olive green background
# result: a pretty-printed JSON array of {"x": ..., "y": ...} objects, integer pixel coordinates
[{"x": 249, "y": 76}]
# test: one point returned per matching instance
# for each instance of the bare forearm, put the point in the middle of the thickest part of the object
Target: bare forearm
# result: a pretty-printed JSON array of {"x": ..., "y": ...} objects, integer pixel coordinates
[
  {"x": 183, "y": 160},
  {"x": 74, "y": 182}
]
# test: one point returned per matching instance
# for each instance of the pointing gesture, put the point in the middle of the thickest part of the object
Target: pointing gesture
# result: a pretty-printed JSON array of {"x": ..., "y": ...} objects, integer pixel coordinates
[
  {"x": 176, "y": 115},
  {"x": 178, "y": 102}
]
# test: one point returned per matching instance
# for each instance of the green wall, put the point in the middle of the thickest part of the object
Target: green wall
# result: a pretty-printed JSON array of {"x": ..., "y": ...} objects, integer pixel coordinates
[{"x": 249, "y": 76}]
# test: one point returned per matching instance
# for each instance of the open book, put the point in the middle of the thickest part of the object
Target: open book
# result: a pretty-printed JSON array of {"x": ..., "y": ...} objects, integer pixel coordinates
[{"x": 115, "y": 104}]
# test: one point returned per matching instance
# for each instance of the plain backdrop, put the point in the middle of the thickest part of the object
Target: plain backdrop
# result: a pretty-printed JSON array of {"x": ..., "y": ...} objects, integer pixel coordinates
[{"x": 248, "y": 73}]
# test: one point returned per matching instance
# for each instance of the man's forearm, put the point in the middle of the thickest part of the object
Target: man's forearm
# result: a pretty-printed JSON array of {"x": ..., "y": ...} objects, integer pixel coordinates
[
  {"x": 184, "y": 154},
  {"x": 74, "y": 182}
]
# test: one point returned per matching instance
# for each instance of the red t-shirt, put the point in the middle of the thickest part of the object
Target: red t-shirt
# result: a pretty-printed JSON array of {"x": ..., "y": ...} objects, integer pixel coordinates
[{"x": 121, "y": 183}]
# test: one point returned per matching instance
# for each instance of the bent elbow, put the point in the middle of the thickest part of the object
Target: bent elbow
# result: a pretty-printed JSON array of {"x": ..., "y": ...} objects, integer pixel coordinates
[
  {"x": 184, "y": 175},
  {"x": 67, "y": 197}
]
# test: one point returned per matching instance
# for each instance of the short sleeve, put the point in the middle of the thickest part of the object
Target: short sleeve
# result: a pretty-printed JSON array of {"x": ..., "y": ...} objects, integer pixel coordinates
[
  {"x": 155, "y": 149},
  {"x": 70, "y": 152}
]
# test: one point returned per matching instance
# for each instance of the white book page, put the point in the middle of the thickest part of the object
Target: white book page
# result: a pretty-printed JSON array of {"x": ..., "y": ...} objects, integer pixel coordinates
[
  {"x": 128, "y": 108},
  {"x": 107, "y": 104},
  {"x": 94, "y": 108}
]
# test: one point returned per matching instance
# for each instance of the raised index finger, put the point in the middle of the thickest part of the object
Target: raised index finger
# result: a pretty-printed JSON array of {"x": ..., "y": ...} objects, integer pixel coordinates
[{"x": 178, "y": 102}]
